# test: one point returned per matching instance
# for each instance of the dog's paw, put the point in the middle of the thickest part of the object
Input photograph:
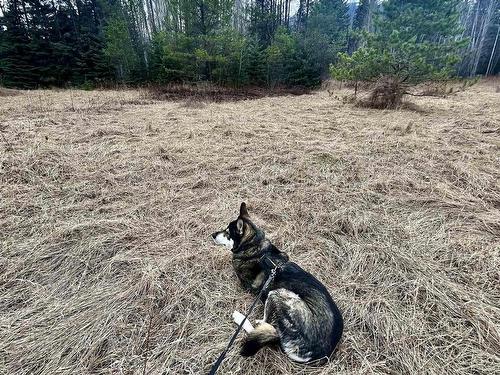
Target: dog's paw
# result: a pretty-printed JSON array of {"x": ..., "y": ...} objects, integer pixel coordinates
[{"x": 239, "y": 317}]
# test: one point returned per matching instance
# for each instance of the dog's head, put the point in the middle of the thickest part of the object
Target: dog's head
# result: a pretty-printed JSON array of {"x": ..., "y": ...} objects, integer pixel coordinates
[{"x": 237, "y": 232}]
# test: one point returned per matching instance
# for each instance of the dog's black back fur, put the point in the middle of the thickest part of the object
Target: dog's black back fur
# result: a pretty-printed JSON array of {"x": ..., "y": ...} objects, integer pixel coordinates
[{"x": 324, "y": 338}]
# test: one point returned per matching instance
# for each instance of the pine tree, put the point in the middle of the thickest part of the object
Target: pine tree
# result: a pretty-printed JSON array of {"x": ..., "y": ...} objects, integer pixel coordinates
[
  {"x": 254, "y": 63},
  {"x": 360, "y": 16},
  {"x": 414, "y": 41}
]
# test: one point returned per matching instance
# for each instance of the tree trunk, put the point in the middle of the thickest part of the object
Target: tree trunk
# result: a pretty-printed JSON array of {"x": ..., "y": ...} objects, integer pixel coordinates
[
  {"x": 493, "y": 50},
  {"x": 473, "y": 41},
  {"x": 152, "y": 15},
  {"x": 484, "y": 31},
  {"x": 372, "y": 5},
  {"x": 25, "y": 15},
  {"x": 287, "y": 12}
]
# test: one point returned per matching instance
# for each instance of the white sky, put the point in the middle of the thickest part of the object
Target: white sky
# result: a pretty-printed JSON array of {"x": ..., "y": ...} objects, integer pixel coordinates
[{"x": 294, "y": 5}]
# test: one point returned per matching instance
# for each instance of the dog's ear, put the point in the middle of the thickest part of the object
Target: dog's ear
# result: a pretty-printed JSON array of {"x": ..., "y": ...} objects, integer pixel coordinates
[
  {"x": 239, "y": 226},
  {"x": 243, "y": 210}
]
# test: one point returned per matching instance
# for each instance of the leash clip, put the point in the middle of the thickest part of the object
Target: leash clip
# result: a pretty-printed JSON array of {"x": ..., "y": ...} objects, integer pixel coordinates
[{"x": 271, "y": 277}]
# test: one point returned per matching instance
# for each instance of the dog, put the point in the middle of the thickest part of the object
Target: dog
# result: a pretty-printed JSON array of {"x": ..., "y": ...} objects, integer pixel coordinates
[{"x": 299, "y": 313}]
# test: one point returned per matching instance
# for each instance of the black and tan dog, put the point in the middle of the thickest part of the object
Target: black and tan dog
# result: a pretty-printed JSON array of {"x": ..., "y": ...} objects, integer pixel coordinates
[{"x": 299, "y": 313}]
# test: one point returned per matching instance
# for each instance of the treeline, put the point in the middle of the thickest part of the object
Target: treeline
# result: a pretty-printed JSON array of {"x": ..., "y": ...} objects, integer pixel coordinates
[
  {"x": 478, "y": 25},
  {"x": 229, "y": 42}
]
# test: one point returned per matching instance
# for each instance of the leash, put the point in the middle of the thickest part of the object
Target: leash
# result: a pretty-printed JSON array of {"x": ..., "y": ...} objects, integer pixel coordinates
[{"x": 217, "y": 363}]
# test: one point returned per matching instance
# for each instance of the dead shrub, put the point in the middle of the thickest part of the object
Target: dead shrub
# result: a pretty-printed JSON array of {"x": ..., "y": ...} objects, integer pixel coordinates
[
  {"x": 387, "y": 93},
  {"x": 347, "y": 99},
  {"x": 359, "y": 85}
]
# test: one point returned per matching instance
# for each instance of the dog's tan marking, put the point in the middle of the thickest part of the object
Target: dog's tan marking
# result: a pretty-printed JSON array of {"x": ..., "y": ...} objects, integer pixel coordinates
[{"x": 259, "y": 279}]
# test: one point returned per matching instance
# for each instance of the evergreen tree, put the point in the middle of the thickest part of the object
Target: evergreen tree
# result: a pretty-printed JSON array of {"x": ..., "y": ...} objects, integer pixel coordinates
[
  {"x": 326, "y": 34},
  {"x": 119, "y": 48},
  {"x": 414, "y": 40},
  {"x": 359, "y": 21},
  {"x": 16, "y": 68},
  {"x": 49, "y": 43},
  {"x": 254, "y": 63}
]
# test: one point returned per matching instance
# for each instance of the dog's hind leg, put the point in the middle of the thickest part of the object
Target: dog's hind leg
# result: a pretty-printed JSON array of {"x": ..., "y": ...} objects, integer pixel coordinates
[
  {"x": 265, "y": 334},
  {"x": 238, "y": 318}
]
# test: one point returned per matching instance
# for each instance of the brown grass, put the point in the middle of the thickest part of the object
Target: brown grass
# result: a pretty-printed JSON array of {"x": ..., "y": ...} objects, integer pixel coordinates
[
  {"x": 206, "y": 92},
  {"x": 8, "y": 92},
  {"x": 108, "y": 200},
  {"x": 390, "y": 93}
]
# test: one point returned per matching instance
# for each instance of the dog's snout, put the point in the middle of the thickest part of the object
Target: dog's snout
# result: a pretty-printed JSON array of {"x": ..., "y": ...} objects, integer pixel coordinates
[{"x": 214, "y": 235}]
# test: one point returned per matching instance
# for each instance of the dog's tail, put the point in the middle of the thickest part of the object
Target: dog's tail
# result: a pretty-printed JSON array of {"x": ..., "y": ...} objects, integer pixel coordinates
[{"x": 265, "y": 334}]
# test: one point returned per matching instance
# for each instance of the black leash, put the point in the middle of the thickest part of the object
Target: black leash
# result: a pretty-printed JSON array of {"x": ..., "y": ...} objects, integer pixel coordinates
[{"x": 217, "y": 363}]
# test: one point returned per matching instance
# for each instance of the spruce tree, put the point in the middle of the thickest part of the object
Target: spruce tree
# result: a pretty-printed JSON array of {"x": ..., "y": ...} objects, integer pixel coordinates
[
  {"x": 17, "y": 67},
  {"x": 326, "y": 34}
]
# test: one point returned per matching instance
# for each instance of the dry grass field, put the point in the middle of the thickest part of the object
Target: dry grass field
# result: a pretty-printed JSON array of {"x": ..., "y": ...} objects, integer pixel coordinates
[{"x": 108, "y": 199}]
